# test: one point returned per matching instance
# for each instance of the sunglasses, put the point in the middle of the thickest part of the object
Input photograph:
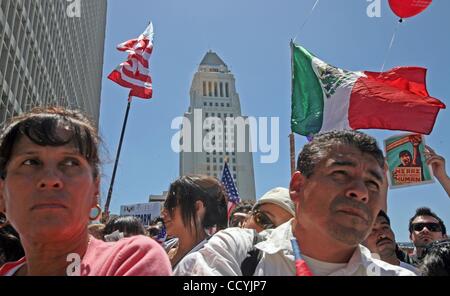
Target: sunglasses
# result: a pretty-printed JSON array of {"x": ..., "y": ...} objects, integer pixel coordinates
[
  {"x": 433, "y": 227},
  {"x": 262, "y": 220}
]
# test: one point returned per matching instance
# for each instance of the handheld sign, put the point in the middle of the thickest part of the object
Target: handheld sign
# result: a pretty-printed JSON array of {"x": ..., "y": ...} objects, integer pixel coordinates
[{"x": 406, "y": 160}]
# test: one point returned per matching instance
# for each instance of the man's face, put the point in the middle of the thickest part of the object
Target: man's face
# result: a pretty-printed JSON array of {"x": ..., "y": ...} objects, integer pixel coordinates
[
  {"x": 422, "y": 233},
  {"x": 342, "y": 197},
  {"x": 381, "y": 239},
  {"x": 405, "y": 159},
  {"x": 267, "y": 216}
]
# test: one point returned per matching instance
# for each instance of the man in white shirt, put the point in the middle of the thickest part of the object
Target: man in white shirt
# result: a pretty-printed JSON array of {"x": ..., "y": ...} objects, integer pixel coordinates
[
  {"x": 338, "y": 189},
  {"x": 381, "y": 242}
]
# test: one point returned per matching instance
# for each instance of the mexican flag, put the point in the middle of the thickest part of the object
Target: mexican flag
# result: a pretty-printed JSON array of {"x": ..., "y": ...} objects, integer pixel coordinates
[{"x": 328, "y": 98}]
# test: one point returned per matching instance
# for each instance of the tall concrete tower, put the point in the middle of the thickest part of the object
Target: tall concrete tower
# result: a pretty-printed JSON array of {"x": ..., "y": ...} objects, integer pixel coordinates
[{"x": 214, "y": 101}]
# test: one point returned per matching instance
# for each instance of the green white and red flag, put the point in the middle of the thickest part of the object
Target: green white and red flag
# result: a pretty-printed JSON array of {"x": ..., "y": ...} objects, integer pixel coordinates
[{"x": 326, "y": 98}]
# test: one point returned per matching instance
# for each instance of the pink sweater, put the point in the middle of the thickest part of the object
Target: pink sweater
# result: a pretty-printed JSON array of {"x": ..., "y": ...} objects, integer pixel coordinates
[{"x": 133, "y": 256}]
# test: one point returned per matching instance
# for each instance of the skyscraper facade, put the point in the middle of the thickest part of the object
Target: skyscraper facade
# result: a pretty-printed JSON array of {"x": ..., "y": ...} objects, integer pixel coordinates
[{"x": 51, "y": 54}]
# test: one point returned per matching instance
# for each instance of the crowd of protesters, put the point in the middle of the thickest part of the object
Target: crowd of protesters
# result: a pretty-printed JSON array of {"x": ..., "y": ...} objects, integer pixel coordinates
[{"x": 330, "y": 221}]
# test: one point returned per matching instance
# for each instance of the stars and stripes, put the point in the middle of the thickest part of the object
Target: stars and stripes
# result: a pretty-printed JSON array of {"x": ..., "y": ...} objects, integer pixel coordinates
[
  {"x": 134, "y": 72},
  {"x": 162, "y": 235},
  {"x": 230, "y": 187}
]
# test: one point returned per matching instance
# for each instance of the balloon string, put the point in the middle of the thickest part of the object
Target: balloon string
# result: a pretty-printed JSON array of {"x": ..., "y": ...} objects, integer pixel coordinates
[
  {"x": 306, "y": 20},
  {"x": 390, "y": 45}
]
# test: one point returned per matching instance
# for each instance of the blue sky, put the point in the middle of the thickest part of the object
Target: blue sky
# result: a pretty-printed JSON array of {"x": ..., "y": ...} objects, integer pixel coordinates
[{"x": 252, "y": 37}]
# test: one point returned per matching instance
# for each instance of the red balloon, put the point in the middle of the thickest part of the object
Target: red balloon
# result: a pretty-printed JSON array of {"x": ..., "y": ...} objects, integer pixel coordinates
[{"x": 408, "y": 8}]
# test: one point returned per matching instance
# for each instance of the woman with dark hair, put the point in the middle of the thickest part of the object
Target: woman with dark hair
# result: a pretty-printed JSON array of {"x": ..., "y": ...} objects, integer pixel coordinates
[
  {"x": 49, "y": 190},
  {"x": 195, "y": 208},
  {"x": 127, "y": 226}
]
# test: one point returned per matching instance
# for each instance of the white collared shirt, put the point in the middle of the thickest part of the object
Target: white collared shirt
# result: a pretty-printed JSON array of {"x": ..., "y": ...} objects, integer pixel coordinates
[{"x": 225, "y": 251}]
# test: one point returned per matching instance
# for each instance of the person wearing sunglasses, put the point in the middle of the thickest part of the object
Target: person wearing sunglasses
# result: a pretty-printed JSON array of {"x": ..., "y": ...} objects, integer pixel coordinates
[
  {"x": 195, "y": 207},
  {"x": 338, "y": 189},
  {"x": 425, "y": 227},
  {"x": 274, "y": 208}
]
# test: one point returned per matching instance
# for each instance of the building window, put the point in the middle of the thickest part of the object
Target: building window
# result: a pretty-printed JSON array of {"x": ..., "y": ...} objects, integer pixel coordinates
[
  {"x": 206, "y": 114},
  {"x": 234, "y": 168},
  {"x": 219, "y": 115},
  {"x": 214, "y": 159},
  {"x": 210, "y": 104},
  {"x": 205, "y": 104},
  {"x": 234, "y": 176},
  {"x": 222, "y": 105},
  {"x": 228, "y": 104},
  {"x": 227, "y": 93},
  {"x": 213, "y": 114},
  {"x": 215, "y": 89},
  {"x": 208, "y": 167},
  {"x": 204, "y": 88},
  {"x": 234, "y": 160},
  {"x": 217, "y": 104},
  {"x": 233, "y": 153},
  {"x": 221, "y": 89},
  {"x": 214, "y": 152},
  {"x": 221, "y": 160},
  {"x": 210, "y": 88},
  {"x": 215, "y": 167},
  {"x": 221, "y": 167},
  {"x": 207, "y": 159}
]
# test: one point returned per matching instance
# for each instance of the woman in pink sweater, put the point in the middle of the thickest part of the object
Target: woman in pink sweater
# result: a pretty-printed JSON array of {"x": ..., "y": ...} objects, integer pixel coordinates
[{"x": 49, "y": 190}]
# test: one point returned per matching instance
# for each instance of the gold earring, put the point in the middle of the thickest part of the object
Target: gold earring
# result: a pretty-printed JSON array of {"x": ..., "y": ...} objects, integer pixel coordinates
[{"x": 95, "y": 212}]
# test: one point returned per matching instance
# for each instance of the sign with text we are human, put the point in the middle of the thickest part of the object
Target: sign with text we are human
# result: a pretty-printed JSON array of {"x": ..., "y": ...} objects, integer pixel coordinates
[{"x": 406, "y": 161}]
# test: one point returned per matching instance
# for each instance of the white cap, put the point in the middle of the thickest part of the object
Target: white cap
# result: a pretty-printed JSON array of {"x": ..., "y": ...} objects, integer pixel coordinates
[{"x": 278, "y": 196}]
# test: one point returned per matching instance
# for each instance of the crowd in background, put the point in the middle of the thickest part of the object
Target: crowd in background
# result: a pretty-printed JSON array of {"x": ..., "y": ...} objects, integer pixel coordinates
[{"x": 330, "y": 220}]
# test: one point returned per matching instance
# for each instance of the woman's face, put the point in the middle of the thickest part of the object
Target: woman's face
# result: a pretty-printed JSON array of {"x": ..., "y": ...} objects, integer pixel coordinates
[
  {"x": 174, "y": 224},
  {"x": 48, "y": 191}
]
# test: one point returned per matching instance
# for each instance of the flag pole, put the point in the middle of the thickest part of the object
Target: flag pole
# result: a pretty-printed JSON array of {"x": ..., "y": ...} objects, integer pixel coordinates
[
  {"x": 292, "y": 152},
  {"x": 291, "y": 135},
  {"x": 108, "y": 199}
]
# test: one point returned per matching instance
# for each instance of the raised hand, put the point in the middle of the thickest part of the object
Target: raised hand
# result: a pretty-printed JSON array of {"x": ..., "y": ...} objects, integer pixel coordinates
[
  {"x": 437, "y": 164},
  {"x": 436, "y": 161}
]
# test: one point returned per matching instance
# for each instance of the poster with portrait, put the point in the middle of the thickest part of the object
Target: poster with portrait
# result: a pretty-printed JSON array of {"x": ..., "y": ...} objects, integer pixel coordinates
[{"x": 406, "y": 160}]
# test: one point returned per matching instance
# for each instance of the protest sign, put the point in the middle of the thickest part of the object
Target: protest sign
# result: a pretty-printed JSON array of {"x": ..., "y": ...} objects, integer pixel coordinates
[{"x": 406, "y": 161}]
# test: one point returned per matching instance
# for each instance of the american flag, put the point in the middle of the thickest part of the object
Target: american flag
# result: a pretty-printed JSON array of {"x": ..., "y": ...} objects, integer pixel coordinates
[
  {"x": 134, "y": 72},
  {"x": 230, "y": 187},
  {"x": 162, "y": 235}
]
